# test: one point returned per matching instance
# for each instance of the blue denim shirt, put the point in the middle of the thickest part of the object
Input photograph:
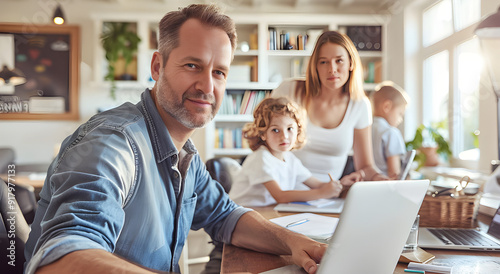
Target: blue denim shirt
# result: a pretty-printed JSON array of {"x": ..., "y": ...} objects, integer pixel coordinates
[{"x": 119, "y": 184}]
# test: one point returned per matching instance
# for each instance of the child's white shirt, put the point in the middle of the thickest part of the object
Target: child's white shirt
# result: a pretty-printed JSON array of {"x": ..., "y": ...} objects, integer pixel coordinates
[
  {"x": 261, "y": 167},
  {"x": 387, "y": 141}
]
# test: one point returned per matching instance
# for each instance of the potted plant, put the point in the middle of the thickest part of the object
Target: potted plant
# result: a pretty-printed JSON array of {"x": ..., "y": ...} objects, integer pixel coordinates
[
  {"x": 119, "y": 42},
  {"x": 429, "y": 143}
]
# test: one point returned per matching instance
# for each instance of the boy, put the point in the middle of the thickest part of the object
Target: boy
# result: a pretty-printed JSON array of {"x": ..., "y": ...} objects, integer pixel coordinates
[{"x": 389, "y": 105}]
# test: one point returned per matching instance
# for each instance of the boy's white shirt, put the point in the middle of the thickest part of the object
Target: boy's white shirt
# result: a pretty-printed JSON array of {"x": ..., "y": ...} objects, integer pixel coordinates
[{"x": 260, "y": 167}]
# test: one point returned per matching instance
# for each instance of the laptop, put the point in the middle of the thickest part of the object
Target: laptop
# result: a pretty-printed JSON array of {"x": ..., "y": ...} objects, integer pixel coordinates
[
  {"x": 462, "y": 238},
  {"x": 372, "y": 229},
  {"x": 406, "y": 164},
  {"x": 373, "y": 226}
]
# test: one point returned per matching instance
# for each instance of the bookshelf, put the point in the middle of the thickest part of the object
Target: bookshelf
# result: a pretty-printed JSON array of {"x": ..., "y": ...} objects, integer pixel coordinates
[
  {"x": 256, "y": 66},
  {"x": 267, "y": 64}
]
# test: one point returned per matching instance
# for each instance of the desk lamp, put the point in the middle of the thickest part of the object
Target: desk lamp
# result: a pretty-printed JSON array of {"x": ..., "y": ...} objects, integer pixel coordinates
[
  {"x": 12, "y": 77},
  {"x": 488, "y": 32}
]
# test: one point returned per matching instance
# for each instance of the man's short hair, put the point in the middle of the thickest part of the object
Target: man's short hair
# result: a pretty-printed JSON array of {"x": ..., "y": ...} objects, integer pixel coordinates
[
  {"x": 209, "y": 15},
  {"x": 388, "y": 90}
]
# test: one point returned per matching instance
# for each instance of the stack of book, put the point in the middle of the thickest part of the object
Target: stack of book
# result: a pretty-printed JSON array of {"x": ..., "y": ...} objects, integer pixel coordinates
[{"x": 242, "y": 102}]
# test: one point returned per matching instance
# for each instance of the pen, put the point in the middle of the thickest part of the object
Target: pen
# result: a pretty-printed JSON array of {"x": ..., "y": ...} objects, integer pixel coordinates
[
  {"x": 414, "y": 271},
  {"x": 338, "y": 182},
  {"x": 331, "y": 178},
  {"x": 299, "y": 222},
  {"x": 430, "y": 268}
]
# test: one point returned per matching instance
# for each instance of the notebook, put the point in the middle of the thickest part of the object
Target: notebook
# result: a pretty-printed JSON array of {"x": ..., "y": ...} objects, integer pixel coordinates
[
  {"x": 372, "y": 229},
  {"x": 332, "y": 205},
  {"x": 462, "y": 239},
  {"x": 406, "y": 164}
]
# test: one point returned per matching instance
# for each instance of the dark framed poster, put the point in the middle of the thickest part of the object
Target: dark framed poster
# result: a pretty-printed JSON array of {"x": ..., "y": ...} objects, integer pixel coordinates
[{"x": 48, "y": 58}]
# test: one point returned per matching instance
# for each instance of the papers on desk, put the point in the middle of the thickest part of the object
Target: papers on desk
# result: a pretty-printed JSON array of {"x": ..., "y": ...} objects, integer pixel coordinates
[
  {"x": 314, "y": 226},
  {"x": 287, "y": 269},
  {"x": 317, "y": 206},
  {"x": 489, "y": 204}
]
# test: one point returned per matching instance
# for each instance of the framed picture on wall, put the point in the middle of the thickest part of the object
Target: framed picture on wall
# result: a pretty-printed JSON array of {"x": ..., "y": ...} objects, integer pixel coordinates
[{"x": 39, "y": 72}]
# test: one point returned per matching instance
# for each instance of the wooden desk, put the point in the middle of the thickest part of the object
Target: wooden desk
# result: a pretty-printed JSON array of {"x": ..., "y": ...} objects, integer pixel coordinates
[
  {"x": 36, "y": 182},
  {"x": 235, "y": 259}
]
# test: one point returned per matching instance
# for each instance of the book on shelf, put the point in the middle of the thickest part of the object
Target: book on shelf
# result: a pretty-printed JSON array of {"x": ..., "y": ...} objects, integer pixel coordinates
[
  {"x": 249, "y": 106},
  {"x": 287, "y": 40},
  {"x": 229, "y": 138},
  {"x": 254, "y": 77},
  {"x": 241, "y": 102}
]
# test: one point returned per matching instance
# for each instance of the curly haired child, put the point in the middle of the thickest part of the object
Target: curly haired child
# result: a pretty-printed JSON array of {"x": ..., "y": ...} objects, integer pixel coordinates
[{"x": 271, "y": 173}]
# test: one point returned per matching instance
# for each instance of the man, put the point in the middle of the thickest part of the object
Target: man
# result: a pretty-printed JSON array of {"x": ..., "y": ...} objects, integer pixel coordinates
[{"x": 128, "y": 185}]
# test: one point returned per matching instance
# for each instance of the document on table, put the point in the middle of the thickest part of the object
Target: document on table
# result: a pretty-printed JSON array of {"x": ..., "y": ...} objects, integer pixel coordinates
[
  {"x": 334, "y": 205},
  {"x": 314, "y": 226},
  {"x": 287, "y": 269}
]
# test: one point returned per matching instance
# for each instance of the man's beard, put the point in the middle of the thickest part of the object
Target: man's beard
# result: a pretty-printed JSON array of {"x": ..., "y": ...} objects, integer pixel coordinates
[{"x": 179, "y": 112}]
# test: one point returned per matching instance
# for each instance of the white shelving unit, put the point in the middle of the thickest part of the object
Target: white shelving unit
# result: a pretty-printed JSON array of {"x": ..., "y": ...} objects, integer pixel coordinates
[
  {"x": 272, "y": 66},
  {"x": 276, "y": 65}
]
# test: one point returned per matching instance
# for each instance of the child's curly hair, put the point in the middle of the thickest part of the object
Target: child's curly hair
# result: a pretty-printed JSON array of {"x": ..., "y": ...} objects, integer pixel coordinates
[{"x": 262, "y": 119}]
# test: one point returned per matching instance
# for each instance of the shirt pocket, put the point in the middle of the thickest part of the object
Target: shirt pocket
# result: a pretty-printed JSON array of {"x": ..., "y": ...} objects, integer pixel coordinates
[{"x": 186, "y": 216}]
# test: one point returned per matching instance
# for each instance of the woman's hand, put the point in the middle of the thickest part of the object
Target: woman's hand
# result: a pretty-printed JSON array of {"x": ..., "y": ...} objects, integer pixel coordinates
[
  {"x": 379, "y": 177},
  {"x": 352, "y": 178}
]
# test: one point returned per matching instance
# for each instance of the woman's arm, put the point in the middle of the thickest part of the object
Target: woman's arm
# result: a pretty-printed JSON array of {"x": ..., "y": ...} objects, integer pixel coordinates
[
  {"x": 324, "y": 190},
  {"x": 363, "y": 154}
]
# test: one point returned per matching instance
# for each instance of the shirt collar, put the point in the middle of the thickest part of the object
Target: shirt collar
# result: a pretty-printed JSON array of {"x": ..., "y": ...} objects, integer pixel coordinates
[
  {"x": 380, "y": 120},
  {"x": 160, "y": 137}
]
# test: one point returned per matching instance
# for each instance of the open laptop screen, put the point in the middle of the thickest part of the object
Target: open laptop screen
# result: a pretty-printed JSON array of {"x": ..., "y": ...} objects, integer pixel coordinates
[
  {"x": 406, "y": 164},
  {"x": 494, "y": 229}
]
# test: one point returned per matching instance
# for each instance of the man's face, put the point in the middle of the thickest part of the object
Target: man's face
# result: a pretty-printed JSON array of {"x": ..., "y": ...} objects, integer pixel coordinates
[{"x": 190, "y": 87}]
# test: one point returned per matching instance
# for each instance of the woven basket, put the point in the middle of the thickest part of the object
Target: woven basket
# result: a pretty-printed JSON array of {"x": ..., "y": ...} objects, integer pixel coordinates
[{"x": 446, "y": 211}]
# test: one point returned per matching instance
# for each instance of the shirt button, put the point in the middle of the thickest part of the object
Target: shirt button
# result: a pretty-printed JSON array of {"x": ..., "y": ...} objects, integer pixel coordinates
[{"x": 176, "y": 175}]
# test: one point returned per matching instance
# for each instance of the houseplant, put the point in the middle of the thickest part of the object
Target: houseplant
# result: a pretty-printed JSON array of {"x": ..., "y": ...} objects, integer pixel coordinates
[
  {"x": 118, "y": 41},
  {"x": 429, "y": 143}
]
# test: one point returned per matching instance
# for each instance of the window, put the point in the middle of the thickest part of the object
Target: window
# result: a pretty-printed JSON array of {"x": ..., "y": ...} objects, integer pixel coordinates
[
  {"x": 436, "y": 88},
  {"x": 467, "y": 13},
  {"x": 437, "y": 22},
  {"x": 468, "y": 79},
  {"x": 451, "y": 67}
]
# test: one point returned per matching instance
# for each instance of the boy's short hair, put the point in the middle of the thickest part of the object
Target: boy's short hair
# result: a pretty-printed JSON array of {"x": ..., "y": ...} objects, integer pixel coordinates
[{"x": 388, "y": 90}]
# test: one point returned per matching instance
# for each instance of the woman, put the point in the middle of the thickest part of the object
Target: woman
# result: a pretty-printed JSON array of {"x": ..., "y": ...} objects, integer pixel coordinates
[{"x": 339, "y": 113}]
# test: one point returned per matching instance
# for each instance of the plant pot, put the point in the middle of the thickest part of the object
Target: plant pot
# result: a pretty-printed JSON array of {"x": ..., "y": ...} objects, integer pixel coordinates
[{"x": 431, "y": 156}]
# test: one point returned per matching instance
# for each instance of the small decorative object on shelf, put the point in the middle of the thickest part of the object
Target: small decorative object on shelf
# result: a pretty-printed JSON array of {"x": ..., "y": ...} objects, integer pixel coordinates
[
  {"x": 119, "y": 42},
  {"x": 365, "y": 38}
]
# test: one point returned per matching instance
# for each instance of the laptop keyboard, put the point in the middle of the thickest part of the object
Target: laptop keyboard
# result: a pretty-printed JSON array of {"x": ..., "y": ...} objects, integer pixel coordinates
[{"x": 462, "y": 237}]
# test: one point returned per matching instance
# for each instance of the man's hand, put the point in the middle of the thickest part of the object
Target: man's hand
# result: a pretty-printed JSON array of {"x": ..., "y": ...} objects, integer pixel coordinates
[
  {"x": 255, "y": 232},
  {"x": 308, "y": 255}
]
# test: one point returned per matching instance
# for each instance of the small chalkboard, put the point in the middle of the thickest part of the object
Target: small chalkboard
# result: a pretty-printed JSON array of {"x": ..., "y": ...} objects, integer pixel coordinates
[{"x": 49, "y": 57}]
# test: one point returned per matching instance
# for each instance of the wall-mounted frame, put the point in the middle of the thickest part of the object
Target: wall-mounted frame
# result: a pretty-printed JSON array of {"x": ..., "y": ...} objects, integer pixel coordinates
[{"x": 49, "y": 58}]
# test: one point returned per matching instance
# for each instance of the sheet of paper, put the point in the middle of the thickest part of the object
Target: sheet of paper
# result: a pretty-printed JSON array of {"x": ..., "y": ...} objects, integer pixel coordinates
[
  {"x": 316, "y": 227},
  {"x": 322, "y": 206},
  {"x": 318, "y": 203},
  {"x": 287, "y": 269}
]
